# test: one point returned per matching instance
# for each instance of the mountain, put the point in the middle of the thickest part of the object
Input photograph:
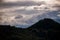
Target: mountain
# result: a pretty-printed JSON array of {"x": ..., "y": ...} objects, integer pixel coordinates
[
  {"x": 46, "y": 29},
  {"x": 46, "y": 24}
]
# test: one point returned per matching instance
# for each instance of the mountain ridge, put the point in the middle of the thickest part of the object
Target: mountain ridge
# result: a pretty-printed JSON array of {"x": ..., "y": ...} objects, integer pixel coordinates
[{"x": 46, "y": 29}]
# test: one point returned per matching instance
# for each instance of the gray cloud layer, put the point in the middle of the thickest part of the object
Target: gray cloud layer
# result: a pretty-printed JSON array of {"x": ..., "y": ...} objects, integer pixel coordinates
[{"x": 27, "y": 13}]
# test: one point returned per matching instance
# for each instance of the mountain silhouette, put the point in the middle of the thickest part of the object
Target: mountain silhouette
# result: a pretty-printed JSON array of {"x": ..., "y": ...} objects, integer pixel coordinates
[
  {"x": 46, "y": 29},
  {"x": 46, "y": 24}
]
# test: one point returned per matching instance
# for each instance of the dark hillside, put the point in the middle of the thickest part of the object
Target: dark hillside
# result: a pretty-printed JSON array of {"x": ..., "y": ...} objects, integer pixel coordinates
[{"x": 46, "y": 29}]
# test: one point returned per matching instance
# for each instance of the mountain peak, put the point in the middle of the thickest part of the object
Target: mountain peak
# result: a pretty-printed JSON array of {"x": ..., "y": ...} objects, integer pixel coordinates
[{"x": 46, "y": 24}]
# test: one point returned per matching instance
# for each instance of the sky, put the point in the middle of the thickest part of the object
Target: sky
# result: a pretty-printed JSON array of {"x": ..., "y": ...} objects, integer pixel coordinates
[{"x": 24, "y": 13}]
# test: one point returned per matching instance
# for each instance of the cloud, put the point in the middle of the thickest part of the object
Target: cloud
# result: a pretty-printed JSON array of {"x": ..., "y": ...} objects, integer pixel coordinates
[
  {"x": 23, "y": 3},
  {"x": 26, "y": 13}
]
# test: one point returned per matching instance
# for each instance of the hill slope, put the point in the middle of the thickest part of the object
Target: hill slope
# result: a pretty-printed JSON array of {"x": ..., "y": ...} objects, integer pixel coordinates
[{"x": 46, "y": 29}]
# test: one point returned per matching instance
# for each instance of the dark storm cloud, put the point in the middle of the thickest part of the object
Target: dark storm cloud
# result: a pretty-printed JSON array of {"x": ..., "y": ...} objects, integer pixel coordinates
[
  {"x": 19, "y": 4},
  {"x": 24, "y": 3},
  {"x": 18, "y": 17}
]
